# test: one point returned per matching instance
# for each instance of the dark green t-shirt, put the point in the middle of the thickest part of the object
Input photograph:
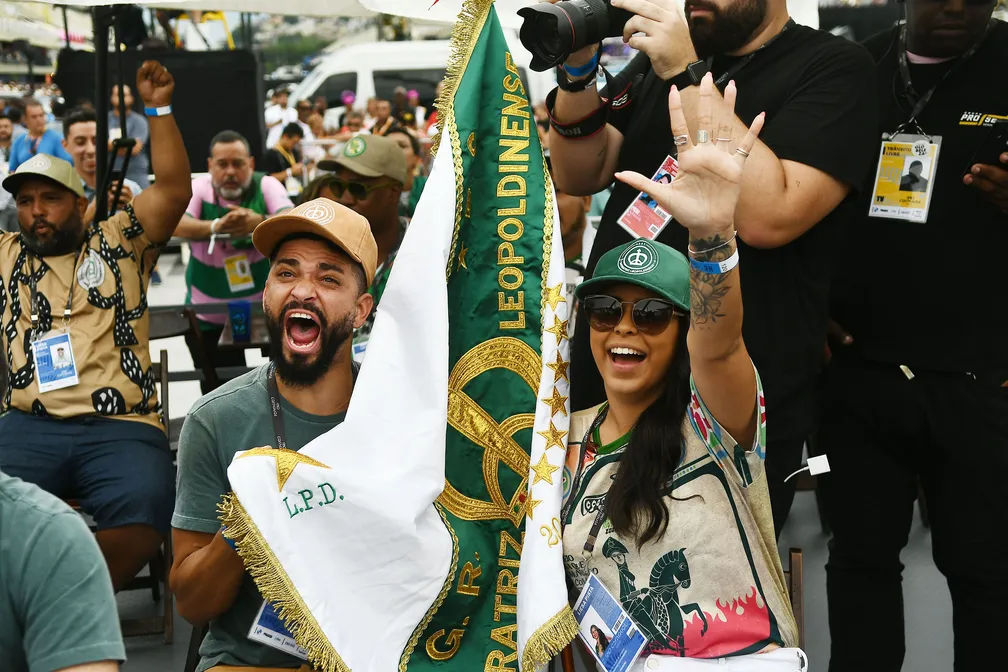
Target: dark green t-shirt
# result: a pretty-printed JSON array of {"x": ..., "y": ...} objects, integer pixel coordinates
[
  {"x": 232, "y": 418},
  {"x": 57, "y": 608}
]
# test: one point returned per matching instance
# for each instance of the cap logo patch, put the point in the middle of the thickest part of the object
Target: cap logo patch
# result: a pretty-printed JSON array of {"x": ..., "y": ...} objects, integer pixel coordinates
[
  {"x": 319, "y": 211},
  {"x": 354, "y": 147},
  {"x": 641, "y": 257},
  {"x": 38, "y": 162}
]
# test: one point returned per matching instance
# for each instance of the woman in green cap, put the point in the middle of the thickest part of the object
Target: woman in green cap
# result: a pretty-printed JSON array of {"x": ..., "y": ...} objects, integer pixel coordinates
[{"x": 665, "y": 499}]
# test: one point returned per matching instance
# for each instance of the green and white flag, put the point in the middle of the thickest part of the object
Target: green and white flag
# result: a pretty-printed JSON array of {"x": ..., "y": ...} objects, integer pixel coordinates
[{"x": 396, "y": 540}]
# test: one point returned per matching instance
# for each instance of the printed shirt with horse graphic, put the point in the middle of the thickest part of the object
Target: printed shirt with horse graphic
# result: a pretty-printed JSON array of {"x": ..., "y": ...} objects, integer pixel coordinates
[{"x": 712, "y": 585}]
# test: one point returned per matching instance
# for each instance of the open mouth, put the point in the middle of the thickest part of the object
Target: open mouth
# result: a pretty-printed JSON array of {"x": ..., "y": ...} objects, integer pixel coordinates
[
  {"x": 303, "y": 331},
  {"x": 623, "y": 357}
]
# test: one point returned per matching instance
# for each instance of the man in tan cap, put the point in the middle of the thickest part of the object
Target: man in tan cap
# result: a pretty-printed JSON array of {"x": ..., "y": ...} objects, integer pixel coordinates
[
  {"x": 73, "y": 299},
  {"x": 323, "y": 259},
  {"x": 368, "y": 177}
]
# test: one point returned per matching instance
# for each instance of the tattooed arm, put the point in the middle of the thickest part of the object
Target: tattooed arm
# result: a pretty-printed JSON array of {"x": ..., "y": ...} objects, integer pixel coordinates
[
  {"x": 703, "y": 198},
  {"x": 722, "y": 370}
]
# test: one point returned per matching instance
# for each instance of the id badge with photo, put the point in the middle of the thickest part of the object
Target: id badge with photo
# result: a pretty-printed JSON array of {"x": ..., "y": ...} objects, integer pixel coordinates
[
  {"x": 269, "y": 629},
  {"x": 55, "y": 366},
  {"x": 606, "y": 629},
  {"x": 904, "y": 180},
  {"x": 644, "y": 218},
  {"x": 239, "y": 273}
]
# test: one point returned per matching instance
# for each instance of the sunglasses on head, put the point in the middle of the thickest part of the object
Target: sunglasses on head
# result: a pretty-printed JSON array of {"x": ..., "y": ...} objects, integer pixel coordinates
[
  {"x": 358, "y": 190},
  {"x": 650, "y": 316}
]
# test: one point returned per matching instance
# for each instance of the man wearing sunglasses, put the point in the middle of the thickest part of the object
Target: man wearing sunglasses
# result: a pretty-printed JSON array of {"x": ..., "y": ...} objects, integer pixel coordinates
[
  {"x": 916, "y": 391},
  {"x": 369, "y": 176}
]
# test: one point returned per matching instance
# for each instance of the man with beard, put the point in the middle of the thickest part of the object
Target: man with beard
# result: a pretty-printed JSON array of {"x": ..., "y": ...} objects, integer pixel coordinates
[
  {"x": 818, "y": 143},
  {"x": 233, "y": 199},
  {"x": 80, "y": 131},
  {"x": 91, "y": 430},
  {"x": 6, "y": 136},
  {"x": 323, "y": 259}
]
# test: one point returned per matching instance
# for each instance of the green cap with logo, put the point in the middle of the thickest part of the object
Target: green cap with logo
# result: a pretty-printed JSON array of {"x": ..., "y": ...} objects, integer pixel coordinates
[
  {"x": 370, "y": 156},
  {"x": 49, "y": 167},
  {"x": 645, "y": 263}
]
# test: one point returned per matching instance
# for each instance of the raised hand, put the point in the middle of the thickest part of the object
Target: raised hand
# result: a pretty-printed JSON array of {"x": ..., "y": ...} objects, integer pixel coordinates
[
  {"x": 155, "y": 84},
  {"x": 705, "y": 191}
]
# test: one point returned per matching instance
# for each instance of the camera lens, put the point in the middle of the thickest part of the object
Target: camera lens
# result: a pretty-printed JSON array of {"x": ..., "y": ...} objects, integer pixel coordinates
[{"x": 552, "y": 32}]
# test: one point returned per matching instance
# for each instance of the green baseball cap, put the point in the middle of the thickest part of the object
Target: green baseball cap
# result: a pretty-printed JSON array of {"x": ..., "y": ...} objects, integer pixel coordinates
[
  {"x": 645, "y": 263},
  {"x": 49, "y": 167},
  {"x": 370, "y": 156}
]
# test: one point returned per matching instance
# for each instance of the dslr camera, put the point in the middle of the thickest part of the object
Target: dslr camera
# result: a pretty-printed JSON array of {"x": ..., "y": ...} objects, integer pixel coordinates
[{"x": 554, "y": 32}]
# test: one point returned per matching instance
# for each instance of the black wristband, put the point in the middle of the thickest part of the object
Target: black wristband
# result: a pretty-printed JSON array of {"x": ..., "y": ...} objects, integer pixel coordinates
[
  {"x": 691, "y": 76},
  {"x": 583, "y": 128},
  {"x": 564, "y": 83}
]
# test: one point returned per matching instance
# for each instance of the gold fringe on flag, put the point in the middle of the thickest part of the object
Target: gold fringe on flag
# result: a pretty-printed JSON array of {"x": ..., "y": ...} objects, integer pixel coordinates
[
  {"x": 463, "y": 40},
  {"x": 549, "y": 640},
  {"x": 276, "y": 587}
]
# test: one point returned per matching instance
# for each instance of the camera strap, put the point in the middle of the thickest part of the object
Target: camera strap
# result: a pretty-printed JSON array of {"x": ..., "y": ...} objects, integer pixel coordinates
[{"x": 723, "y": 80}]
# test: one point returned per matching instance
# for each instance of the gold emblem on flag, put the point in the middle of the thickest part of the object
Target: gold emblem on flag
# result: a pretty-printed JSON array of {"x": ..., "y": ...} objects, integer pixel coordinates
[{"x": 496, "y": 439}]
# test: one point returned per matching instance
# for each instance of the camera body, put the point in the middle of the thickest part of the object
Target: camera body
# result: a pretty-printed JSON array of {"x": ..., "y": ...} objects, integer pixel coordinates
[{"x": 552, "y": 32}]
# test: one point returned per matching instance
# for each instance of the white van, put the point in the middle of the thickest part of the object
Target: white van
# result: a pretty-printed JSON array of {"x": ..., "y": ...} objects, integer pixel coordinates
[{"x": 375, "y": 69}]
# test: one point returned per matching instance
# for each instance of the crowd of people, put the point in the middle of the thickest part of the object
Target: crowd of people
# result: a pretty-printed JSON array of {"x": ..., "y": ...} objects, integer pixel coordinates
[{"x": 753, "y": 163}]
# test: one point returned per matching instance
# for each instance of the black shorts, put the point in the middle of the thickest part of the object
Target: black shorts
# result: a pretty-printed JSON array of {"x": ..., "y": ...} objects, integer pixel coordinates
[{"x": 120, "y": 471}]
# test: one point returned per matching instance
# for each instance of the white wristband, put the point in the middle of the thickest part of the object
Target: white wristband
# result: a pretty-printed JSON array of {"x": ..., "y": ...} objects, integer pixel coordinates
[
  {"x": 290, "y": 173},
  {"x": 213, "y": 225}
]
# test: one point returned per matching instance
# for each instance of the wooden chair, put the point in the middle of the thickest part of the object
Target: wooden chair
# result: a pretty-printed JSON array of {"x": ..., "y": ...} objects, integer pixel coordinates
[
  {"x": 794, "y": 577},
  {"x": 160, "y": 566},
  {"x": 195, "y": 639}
]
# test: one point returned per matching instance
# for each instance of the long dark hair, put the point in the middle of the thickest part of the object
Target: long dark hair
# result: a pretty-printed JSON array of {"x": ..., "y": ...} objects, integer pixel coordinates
[{"x": 634, "y": 503}]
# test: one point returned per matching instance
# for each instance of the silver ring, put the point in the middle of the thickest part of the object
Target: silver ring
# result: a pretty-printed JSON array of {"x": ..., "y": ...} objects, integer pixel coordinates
[
  {"x": 702, "y": 136},
  {"x": 742, "y": 152},
  {"x": 681, "y": 140},
  {"x": 722, "y": 139}
]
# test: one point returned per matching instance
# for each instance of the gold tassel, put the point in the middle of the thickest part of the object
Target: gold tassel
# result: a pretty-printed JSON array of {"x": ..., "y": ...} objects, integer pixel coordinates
[
  {"x": 549, "y": 640},
  {"x": 463, "y": 40},
  {"x": 547, "y": 245},
  {"x": 276, "y": 587}
]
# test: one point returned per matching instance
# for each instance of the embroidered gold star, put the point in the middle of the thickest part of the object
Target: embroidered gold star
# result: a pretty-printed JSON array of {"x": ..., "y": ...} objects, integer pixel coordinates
[
  {"x": 554, "y": 295},
  {"x": 554, "y": 437},
  {"x": 543, "y": 470},
  {"x": 557, "y": 402},
  {"x": 461, "y": 257},
  {"x": 559, "y": 329},
  {"x": 559, "y": 369},
  {"x": 532, "y": 503},
  {"x": 286, "y": 461}
]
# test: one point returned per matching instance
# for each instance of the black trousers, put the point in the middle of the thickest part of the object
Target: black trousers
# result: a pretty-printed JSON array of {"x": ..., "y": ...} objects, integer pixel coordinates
[
  {"x": 884, "y": 434},
  {"x": 784, "y": 441},
  {"x": 218, "y": 358}
]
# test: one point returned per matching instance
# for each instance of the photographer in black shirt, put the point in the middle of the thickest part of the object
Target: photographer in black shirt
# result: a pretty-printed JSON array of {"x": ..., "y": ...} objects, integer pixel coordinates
[
  {"x": 818, "y": 94},
  {"x": 916, "y": 392}
]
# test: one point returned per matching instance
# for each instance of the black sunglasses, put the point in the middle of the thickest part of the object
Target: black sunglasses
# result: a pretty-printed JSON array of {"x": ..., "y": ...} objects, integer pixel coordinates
[
  {"x": 358, "y": 190},
  {"x": 650, "y": 316}
]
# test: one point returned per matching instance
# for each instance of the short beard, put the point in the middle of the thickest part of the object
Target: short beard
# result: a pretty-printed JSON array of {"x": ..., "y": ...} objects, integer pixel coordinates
[
  {"x": 234, "y": 194},
  {"x": 298, "y": 371},
  {"x": 67, "y": 238},
  {"x": 727, "y": 30}
]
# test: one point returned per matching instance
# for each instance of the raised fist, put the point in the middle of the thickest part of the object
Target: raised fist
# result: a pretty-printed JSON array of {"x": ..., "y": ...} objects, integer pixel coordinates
[{"x": 155, "y": 84}]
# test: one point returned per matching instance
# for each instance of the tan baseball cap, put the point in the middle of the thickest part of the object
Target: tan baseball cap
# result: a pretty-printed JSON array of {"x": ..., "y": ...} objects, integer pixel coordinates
[
  {"x": 49, "y": 167},
  {"x": 330, "y": 220},
  {"x": 370, "y": 156}
]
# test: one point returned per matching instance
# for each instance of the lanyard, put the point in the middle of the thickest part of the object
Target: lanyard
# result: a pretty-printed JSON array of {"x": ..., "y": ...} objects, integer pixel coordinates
[
  {"x": 285, "y": 154},
  {"x": 276, "y": 410},
  {"x": 735, "y": 69},
  {"x": 33, "y": 284},
  {"x": 920, "y": 102}
]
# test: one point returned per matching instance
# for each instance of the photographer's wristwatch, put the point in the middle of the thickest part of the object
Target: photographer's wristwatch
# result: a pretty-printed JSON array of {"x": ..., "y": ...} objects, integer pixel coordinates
[{"x": 692, "y": 75}]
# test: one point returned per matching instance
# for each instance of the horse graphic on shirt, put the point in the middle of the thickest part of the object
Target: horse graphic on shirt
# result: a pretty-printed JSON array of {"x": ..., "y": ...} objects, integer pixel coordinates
[{"x": 656, "y": 609}]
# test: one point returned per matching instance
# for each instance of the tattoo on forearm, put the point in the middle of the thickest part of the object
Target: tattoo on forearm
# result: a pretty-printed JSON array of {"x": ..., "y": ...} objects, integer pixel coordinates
[{"x": 707, "y": 290}]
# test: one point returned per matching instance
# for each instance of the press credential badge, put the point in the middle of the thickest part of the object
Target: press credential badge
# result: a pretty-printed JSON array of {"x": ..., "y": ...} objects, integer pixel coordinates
[
  {"x": 644, "y": 218},
  {"x": 606, "y": 628},
  {"x": 239, "y": 273},
  {"x": 904, "y": 180},
  {"x": 55, "y": 366},
  {"x": 269, "y": 629}
]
